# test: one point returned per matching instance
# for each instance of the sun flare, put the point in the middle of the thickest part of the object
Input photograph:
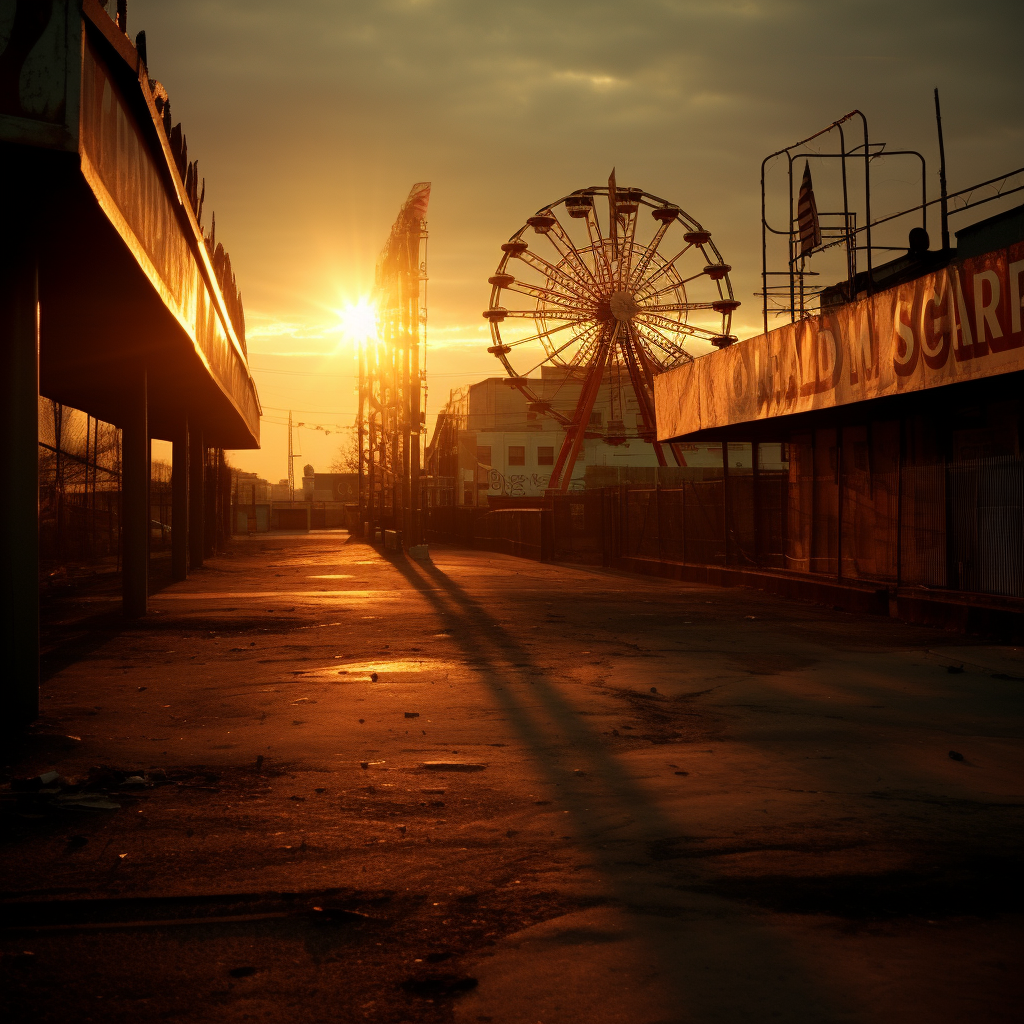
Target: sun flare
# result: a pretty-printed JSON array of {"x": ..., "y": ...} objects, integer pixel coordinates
[{"x": 358, "y": 321}]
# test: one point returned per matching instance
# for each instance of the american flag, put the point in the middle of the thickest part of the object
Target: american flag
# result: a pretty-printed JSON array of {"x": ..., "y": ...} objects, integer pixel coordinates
[
  {"x": 807, "y": 214},
  {"x": 418, "y": 199}
]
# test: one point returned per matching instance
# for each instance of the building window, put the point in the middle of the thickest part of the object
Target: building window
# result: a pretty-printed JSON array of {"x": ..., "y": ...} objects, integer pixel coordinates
[
  {"x": 483, "y": 454},
  {"x": 516, "y": 455},
  {"x": 545, "y": 456},
  {"x": 595, "y": 419}
]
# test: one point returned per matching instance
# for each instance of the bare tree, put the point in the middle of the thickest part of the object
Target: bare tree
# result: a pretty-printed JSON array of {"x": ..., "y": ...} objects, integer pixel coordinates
[{"x": 347, "y": 459}]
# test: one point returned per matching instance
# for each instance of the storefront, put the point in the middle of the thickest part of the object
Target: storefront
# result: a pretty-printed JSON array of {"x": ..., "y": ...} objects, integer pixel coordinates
[{"x": 902, "y": 419}]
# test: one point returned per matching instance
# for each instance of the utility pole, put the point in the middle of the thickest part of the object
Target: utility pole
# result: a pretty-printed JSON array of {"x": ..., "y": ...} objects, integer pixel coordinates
[
  {"x": 943, "y": 206},
  {"x": 291, "y": 461},
  {"x": 361, "y": 434}
]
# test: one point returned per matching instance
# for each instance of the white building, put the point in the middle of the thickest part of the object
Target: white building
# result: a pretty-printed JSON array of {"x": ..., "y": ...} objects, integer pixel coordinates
[{"x": 489, "y": 443}]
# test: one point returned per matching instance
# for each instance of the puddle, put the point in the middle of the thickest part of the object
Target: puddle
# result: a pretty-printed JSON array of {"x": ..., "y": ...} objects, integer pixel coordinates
[
  {"x": 366, "y": 668},
  {"x": 389, "y": 666}
]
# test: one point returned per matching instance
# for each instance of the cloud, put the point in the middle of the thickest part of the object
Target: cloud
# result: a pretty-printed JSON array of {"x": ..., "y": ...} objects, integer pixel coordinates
[{"x": 312, "y": 120}]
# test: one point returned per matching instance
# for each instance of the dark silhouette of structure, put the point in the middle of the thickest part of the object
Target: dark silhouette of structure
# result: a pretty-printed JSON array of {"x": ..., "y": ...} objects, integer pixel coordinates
[{"x": 112, "y": 300}]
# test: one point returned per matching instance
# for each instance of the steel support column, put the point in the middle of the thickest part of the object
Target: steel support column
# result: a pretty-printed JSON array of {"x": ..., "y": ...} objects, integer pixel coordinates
[
  {"x": 19, "y": 465},
  {"x": 135, "y": 510},
  {"x": 179, "y": 502},
  {"x": 197, "y": 497}
]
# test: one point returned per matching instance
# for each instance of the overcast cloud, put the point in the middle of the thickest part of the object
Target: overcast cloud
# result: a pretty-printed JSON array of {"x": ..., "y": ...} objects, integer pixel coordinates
[{"x": 312, "y": 119}]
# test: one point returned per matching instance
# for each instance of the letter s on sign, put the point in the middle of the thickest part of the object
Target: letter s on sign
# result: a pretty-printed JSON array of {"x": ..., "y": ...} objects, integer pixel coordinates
[{"x": 903, "y": 362}]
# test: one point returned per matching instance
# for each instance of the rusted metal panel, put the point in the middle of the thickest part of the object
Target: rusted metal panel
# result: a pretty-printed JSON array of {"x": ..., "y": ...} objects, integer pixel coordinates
[
  {"x": 960, "y": 323},
  {"x": 39, "y": 72},
  {"x": 139, "y": 196}
]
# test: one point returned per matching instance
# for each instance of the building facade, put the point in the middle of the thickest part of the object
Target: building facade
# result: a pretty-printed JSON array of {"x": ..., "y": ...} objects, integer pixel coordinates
[{"x": 901, "y": 417}]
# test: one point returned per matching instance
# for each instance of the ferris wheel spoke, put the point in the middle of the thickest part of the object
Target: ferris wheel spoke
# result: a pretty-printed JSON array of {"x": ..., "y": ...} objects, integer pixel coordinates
[
  {"x": 656, "y": 338},
  {"x": 548, "y": 314},
  {"x": 671, "y": 287},
  {"x": 645, "y": 260},
  {"x": 558, "y": 351},
  {"x": 537, "y": 291},
  {"x": 663, "y": 269},
  {"x": 676, "y": 307},
  {"x": 677, "y": 326},
  {"x": 539, "y": 337},
  {"x": 597, "y": 245},
  {"x": 563, "y": 245},
  {"x": 571, "y": 281}
]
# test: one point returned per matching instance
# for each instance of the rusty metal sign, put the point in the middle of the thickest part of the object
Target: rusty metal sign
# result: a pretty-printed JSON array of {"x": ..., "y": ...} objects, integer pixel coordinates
[{"x": 960, "y": 323}]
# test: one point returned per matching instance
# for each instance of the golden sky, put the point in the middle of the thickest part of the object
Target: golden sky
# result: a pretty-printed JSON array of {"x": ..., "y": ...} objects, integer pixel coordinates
[{"x": 312, "y": 119}]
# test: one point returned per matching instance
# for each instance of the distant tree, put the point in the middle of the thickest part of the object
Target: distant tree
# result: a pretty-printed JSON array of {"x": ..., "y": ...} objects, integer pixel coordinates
[{"x": 347, "y": 458}]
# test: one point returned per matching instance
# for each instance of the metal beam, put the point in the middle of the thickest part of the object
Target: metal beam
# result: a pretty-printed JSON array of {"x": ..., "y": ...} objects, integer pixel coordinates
[
  {"x": 179, "y": 502},
  {"x": 19, "y": 466},
  {"x": 135, "y": 496}
]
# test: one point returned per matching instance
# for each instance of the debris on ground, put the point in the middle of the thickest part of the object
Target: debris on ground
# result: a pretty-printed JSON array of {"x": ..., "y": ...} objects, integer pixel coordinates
[
  {"x": 373, "y": 677},
  {"x": 955, "y": 755},
  {"x": 412, "y": 714},
  {"x": 36, "y": 783},
  {"x": 453, "y": 766},
  {"x": 954, "y": 669},
  {"x": 441, "y": 986}
]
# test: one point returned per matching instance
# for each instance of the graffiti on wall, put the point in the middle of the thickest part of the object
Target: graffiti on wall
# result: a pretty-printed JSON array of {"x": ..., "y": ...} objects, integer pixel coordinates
[{"x": 522, "y": 485}]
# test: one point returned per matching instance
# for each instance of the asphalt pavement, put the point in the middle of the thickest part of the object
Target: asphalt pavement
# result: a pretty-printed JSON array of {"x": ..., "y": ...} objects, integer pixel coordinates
[{"x": 319, "y": 783}]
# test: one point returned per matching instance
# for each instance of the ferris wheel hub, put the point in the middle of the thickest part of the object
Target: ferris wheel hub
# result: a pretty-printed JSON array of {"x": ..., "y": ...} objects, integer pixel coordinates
[{"x": 623, "y": 306}]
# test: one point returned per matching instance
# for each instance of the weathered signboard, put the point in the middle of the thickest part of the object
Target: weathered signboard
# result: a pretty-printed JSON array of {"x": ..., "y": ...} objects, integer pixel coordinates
[
  {"x": 71, "y": 80},
  {"x": 38, "y": 81},
  {"x": 960, "y": 323}
]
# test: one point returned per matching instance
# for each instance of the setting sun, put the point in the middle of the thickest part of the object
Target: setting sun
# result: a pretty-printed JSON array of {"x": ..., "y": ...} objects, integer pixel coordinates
[{"x": 359, "y": 321}]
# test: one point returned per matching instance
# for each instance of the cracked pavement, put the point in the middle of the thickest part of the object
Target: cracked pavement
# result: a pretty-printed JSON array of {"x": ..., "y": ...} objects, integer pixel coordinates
[{"x": 679, "y": 803}]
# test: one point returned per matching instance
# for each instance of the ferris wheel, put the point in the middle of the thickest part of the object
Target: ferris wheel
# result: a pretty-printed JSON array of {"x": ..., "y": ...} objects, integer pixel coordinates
[{"x": 604, "y": 302}]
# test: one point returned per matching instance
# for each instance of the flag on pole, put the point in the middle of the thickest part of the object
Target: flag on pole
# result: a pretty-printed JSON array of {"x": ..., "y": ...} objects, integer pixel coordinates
[
  {"x": 418, "y": 199},
  {"x": 807, "y": 214}
]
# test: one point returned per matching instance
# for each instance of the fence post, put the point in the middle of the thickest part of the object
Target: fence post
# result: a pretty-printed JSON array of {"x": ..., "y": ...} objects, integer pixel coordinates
[
  {"x": 19, "y": 519},
  {"x": 725, "y": 499},
  {"x": 196, "y": 496},
  {"x": 901, "y": 455},
  {"x": 839, "y": 503},
  {"x": 657, "y": 519},
  {"x": 682, "y": 519},
  {"x": 755, "y": 460},
  {"x": 179, "y": 501},
  {"x": 135, "y": 447}
]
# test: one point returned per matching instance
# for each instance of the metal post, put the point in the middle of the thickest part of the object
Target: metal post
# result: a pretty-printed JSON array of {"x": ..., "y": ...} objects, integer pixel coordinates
[
  {"x": 725, "y": 497},
  {"x": 416, "y": 534},
  {"x": 944, "y": 207},
  {"x": 179, "y": 502},
  {"x": 839, "y": 503},
  {"x": 19, "y": 525},
  {"x": 361, "y": 434},
  {"x": 755, "y": 458},
  {"x": 900, "y": 458},
  {"x": 197, "y": 497},
  {"x": 210, "y": 510},
  {"x": 135, "y": 509}
]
